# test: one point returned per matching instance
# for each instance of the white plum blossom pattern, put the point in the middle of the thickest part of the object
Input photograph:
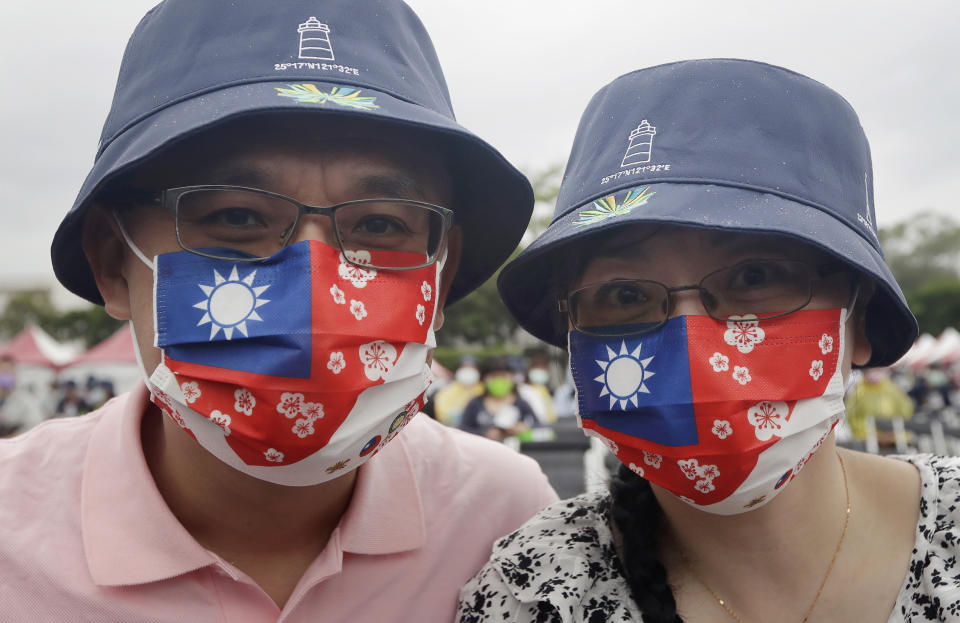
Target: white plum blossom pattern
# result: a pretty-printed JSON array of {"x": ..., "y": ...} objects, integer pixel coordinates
[
  {"x": 337, "y": 362},
  {"x": 273, "y": 455},
  {"x": 652, "y": 458},
  {"x": 303, "y": 427},
  {"x": 426, "y": 291},
  {"x": 191, "y": 391},
  {"x": 741, "y": 374},
  {"x": 244, "y": 401},
  {"x": 703, "y": 474},
  {"x": 290, "y": 404},
  {"x": 356, "y": 275},
  {"x": 358, "y": 310},
  {"x": 222, "y": 420},
  {"x": 636, "y": 469},
  {"x": 816, "y": 369},
  {"x": 378, "y": 359},
  {"x": 421, "y": 314},
  {"x": 688, "y": 467},
  {"x": 611, "y": 446},
  {"x": 767, "y": 418},
  {"x": 709, "y": 471},
  {"x": 313, "y": 411},
  {"x": 826, "y": 343},
  {"x": 743, "y": 332},
  {"x": 720, "y": 363},
  {"x": 722, "y": 429},
  {"x": 337, "y": 294},
  {"x": 704, "y": 486}
]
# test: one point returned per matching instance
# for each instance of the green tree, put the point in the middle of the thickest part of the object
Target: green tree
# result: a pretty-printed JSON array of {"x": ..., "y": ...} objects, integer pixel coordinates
[
  {"x": 924, "y": 255},
  {"x": 89, "y": 324},
  {"x": 481, "y": 320}
]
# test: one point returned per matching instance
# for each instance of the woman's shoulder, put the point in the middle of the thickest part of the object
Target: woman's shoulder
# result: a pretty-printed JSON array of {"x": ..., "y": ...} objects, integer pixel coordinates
[
  {"x": 562, "y": 561},
  {"x": 932, "y": 587}
]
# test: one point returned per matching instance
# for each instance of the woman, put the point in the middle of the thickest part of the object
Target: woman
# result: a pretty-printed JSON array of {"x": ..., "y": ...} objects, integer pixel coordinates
[
  {"x": 499, "y": 412},
  {"x": 717, "y": 273}
]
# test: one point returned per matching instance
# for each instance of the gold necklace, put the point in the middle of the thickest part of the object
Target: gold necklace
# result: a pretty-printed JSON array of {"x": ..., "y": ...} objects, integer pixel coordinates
[{"x": 846, "y": 522}]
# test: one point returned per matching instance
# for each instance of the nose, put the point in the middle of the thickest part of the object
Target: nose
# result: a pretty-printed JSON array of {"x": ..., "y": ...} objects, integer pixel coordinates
[
  {"x": 315, "y": 227},
  {"x": 687, "y": 303}
]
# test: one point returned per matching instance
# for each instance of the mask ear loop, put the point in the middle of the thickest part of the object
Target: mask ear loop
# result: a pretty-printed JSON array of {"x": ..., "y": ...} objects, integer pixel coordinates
[{"x": 133, "y": 247}]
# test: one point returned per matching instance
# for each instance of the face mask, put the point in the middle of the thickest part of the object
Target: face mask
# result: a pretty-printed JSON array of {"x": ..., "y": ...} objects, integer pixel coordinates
[
  {"x": 723, "y": 415},
  {"x": 295, "y": 369},
  {"x": 499, "y": 387},
  {"x": 539, "y": 376},
  {"x": 467, "y": 376}
]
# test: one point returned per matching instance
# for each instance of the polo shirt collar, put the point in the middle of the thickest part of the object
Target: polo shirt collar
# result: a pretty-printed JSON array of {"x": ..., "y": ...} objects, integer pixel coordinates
[{"x": 130, "y": 535}]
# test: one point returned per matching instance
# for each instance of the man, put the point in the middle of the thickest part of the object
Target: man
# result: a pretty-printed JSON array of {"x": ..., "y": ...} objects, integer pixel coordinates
[{"x": 281, "y": 205}]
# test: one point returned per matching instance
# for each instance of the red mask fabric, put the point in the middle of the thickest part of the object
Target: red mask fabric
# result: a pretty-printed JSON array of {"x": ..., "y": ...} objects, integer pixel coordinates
[
  {"x": 722, "y": 414},
  {"x": 298, "y": 368}
]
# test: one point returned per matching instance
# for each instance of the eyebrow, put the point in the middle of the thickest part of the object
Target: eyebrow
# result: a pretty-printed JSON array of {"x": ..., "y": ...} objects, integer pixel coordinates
[
  {"x": 392, "y": 185},
  {"x": 239, "y": 175},
  {"x": 381, "y": 185}
]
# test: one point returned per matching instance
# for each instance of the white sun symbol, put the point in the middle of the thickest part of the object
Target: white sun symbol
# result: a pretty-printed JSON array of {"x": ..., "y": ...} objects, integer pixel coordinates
[
  {"x": 230, "y": 303},
  {"x": 624, "y": 375}
]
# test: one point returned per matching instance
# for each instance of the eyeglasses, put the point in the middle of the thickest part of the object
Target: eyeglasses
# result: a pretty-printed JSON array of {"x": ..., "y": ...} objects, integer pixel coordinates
[
  {"x": 761, "y": 287},
  {"x": 248, "y": 224}
]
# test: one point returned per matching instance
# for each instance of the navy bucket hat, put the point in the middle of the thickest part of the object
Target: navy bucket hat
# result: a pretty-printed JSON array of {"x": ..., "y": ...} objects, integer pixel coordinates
[
  {"x": 721, "y": 144},
  {"x": 192, "y": 65}
]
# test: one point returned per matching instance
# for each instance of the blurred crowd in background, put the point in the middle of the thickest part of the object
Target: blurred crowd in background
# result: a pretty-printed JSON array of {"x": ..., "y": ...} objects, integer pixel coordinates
[{"x": 522, "y": 400}]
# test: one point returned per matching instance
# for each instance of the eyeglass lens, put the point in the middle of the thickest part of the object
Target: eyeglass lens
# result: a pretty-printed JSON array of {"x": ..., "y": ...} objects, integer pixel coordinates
[
  {"x": 763, "y": 288},
  {"x": 217, "y": 221}
]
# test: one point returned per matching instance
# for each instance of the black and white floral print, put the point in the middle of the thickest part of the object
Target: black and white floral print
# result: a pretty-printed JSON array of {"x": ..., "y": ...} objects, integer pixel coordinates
[{"x": 561, "y": 566}]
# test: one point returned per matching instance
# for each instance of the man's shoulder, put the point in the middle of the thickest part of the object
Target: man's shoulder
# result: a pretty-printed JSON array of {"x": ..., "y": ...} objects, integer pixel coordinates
[
  {"x": 450, "y": 458},
  {"x": 49, "y": 453}
]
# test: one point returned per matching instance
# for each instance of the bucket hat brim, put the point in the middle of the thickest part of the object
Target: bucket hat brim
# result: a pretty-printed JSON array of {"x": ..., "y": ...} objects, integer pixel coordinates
[
  {"x": 530, "y": 284},
  {"x": 493, "y": 201}
]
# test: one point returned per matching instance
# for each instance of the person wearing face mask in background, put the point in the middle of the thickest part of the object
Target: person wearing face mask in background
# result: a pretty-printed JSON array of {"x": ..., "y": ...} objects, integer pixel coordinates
[
  {"x": 534, "y": 387},
  {"x": 281, "y": 205},
  {"x": 713, "y": 269},
  {"x": 452, "y": 398},
  {"x": 499, "y": 412}
]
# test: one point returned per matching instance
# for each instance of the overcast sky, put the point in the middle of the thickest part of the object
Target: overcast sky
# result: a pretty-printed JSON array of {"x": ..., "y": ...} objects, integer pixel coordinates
[{"x": 520, "y": 73}]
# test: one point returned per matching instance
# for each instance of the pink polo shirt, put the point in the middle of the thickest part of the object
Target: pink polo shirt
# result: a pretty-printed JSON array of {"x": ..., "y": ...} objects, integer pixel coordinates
[{"x": 86, "y": 536}]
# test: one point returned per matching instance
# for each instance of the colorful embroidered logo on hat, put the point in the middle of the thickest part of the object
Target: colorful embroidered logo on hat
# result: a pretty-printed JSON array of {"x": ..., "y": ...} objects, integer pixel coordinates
[
  {"x": 608, "y": 207},
  {"x": 341, "y": 96}
]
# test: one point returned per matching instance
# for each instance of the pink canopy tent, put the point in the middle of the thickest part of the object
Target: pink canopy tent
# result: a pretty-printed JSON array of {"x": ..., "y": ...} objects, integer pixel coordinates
[
  {"x": 34, "y": 347},
  {"x": 118, "y": 348}
]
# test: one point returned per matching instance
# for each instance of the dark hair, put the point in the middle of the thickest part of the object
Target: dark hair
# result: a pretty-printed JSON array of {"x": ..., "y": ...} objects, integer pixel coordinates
[
  {"x": 495, "y": 364},
  {"x": 636, "y": 515}
]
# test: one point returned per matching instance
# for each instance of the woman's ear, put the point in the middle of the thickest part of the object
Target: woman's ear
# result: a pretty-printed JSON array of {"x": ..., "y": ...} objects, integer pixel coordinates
[
  {"x": 106, "y": 252},
  {"x": 450, "y": 266},
  {"x": 862, "y": 350}
]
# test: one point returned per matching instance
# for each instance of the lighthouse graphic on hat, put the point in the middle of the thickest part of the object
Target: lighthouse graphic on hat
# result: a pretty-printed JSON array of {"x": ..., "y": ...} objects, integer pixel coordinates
[
  {"x": 315, "y": 40},
  {"x": 641, "y": 145}
]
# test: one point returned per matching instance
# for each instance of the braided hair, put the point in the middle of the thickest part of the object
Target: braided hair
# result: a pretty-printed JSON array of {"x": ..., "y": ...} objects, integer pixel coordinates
[{"x": 636, "y": 514}]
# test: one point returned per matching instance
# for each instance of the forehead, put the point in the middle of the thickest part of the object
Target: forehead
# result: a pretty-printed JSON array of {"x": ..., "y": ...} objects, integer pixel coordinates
[
  {"x": 269, "y": 152},
  {"x": 672, "y": 243},
  {"x": 685, "y": 253}
]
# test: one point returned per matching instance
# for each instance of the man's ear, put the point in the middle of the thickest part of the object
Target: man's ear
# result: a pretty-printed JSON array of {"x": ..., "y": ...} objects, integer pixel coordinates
[
  {"x": 450, "y": 266},
  {"x": 862, "y": 350},
  {"x": 106, "y": 251}
]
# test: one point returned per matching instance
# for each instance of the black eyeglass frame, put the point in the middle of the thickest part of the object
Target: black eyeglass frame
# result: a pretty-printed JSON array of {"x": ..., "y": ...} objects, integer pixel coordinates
[
  {"x": 819, "y": 272},
  {"x": 169, "y": 199}
]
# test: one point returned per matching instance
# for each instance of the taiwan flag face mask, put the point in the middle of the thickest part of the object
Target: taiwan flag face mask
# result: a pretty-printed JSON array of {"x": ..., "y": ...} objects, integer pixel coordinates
[
  {"x": 723, "y": 415},
  {"x": 295, "y": 369}
]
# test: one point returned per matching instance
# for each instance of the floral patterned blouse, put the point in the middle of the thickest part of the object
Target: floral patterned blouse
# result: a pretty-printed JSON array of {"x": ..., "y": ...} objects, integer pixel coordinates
[{"x": 561, "y": 566}]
